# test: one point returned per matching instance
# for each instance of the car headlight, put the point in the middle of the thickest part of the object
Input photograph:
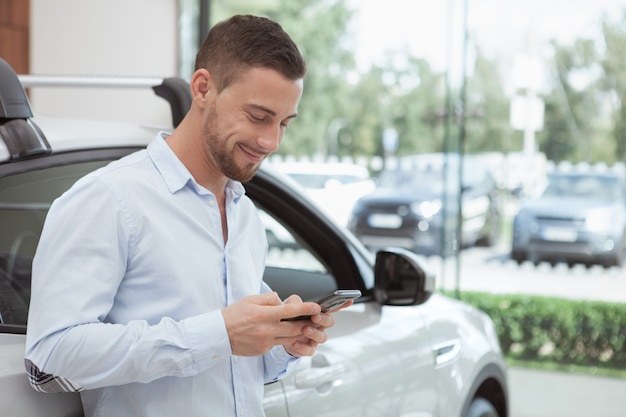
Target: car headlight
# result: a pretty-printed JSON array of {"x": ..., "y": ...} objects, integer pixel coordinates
[
  {"x": 598, "y": 221},
  {"x": 426, "y": 209}
]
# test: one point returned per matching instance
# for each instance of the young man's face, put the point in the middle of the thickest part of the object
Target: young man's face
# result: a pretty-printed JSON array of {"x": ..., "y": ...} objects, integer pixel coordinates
[{"x": 248, "y": 119}]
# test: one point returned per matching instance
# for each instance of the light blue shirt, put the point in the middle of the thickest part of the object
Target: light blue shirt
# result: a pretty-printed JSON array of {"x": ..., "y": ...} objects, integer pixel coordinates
[{"x": 128, "y": 282}]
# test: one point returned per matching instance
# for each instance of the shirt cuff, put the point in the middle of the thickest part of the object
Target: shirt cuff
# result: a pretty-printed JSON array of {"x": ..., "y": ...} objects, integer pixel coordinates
[{"x": 208, "y": 338}]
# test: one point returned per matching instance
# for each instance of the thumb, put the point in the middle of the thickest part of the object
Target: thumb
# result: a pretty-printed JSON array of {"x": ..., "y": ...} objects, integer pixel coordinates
[
  {"x": 267, "y": 299},
  {"x": 294, "y": 298}
]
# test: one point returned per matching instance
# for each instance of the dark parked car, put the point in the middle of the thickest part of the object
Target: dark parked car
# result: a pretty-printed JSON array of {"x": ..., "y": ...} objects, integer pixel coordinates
[
  {"x": 415, "y": 206},
  {"x": 400, "y": 350},
  {"x": 578, "y": 217}
]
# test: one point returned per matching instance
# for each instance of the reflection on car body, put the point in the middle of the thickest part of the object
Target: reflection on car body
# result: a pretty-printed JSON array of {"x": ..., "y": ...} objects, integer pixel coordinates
[
  {"x": 401, "y": 349},
  {"x": 415, "y": 206},
  {"x": 576, "y": 217}
]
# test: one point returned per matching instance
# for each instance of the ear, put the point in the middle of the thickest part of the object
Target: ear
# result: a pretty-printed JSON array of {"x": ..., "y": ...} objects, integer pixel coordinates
[{"x": 201, "y": 84}]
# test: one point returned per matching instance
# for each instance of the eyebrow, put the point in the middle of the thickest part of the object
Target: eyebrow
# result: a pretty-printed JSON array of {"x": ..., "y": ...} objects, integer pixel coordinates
[{"x": 269, "y": 111}]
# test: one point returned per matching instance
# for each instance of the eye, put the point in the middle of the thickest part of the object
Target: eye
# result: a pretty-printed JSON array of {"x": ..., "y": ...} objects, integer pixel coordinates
[
  {"x": 285, "y": 122},
  {"x": 257, "y": 119}
]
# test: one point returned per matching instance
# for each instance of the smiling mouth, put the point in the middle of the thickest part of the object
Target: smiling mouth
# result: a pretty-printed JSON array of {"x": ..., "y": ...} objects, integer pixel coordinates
[{"x": 253, "y": 155}]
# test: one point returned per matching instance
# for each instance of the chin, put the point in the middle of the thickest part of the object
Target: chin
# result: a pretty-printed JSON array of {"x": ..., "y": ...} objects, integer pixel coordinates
[{"x": 246, "y": 174}]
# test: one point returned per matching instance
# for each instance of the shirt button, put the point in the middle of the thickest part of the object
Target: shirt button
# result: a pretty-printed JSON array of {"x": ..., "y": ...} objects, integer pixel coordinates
[{"x": 212, "y": 203}]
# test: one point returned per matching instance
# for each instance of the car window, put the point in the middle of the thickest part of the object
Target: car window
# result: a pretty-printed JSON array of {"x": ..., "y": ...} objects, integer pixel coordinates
[
  {"x": 291, "y": 268},
  {"x": 24, "y": 202},
  {"x": 593, "y": 187},
  {"x": 310, "y": 180},
  {"x": 411, "y": 179},
  {"x": 324, "y": 180}
]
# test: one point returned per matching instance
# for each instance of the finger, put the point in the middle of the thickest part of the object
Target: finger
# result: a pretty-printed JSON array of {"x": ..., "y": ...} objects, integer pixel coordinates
[
  {"x": 295, "y": 309},
  {"x": 269, "y": 298},
  {"x": 299, "y": 348},
  {"x": 293, "y": 306},
  {"x": 294, "y": 298},
  {"x": 308, "y": 334},
  {"x": 317, "y": 335},
  {"x": 324, "y": 320}
]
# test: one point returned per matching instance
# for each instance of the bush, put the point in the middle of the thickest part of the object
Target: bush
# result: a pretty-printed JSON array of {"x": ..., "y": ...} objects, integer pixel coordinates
[{"x": 566, "y": 332}]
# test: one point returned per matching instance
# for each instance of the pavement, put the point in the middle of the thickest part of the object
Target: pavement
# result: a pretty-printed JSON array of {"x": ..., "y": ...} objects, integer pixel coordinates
[{"x": 537, "y": 393}]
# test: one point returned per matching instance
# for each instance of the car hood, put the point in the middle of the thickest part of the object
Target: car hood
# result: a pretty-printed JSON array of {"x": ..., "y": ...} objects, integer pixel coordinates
[
  {"x": 568, "y": 207},
  {"x": 399, "y": 196}
]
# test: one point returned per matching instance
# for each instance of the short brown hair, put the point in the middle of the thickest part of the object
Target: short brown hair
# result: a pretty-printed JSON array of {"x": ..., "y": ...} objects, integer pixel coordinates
[{"x": 243, "y": 42}]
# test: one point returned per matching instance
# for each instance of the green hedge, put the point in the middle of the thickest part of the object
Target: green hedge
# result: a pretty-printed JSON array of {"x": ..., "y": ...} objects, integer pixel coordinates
[{"x": 565, "y": 332}]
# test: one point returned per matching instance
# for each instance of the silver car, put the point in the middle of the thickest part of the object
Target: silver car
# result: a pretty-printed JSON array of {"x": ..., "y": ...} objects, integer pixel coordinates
[
  {"x": 401, "y": 350},
  {"x": 578, "y": 217}
]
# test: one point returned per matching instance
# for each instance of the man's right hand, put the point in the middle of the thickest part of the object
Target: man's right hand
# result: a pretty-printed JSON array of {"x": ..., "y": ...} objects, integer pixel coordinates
[{"x": 254, "y": 323}]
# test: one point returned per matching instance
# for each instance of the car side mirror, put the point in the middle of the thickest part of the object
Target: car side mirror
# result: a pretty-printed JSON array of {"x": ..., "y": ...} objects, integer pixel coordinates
[{"x": 402, "y": 278}]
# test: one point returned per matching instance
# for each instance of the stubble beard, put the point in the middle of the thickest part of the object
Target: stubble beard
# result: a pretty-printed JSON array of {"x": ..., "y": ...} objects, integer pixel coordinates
[{"x": 224, "y": 157}]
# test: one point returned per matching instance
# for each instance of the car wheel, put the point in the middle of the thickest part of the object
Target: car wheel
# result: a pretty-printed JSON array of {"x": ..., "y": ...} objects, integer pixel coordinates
[
  {"x": 481, "y": 408},
  {"x": 518, "y": 256},
  {"x": 620, "y": 254},
  {"x": 491, "y": 237}
]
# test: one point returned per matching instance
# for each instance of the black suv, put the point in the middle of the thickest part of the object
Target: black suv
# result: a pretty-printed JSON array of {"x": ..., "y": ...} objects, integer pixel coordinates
[{"x": 415, "y": 206}]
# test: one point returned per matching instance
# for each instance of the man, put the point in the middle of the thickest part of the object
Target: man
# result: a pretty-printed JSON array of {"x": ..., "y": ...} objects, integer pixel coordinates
[{"x": 147, "y": 292}]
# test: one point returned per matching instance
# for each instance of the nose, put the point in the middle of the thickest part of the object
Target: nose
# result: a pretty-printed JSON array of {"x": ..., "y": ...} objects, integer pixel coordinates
[{"x": 271, "y": 137}]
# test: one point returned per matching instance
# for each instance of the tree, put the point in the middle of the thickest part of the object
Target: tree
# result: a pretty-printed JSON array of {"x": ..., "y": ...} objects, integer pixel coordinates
[
  {"x": 562, "y": 135},
  {"x": 345, "y": 112},
  {"x": 407, "y": 97},
  {"x": 615, "y": 78},
  {"x": 574, "y": 106},
  {"x": 487, "y": 109},
  {"x": 417, "y": 97}
]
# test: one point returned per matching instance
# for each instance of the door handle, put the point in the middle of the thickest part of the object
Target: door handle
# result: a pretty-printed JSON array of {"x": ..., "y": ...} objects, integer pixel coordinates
[
  {"x": 318, "y": 377},
  {"x": 446, "y": 352}
]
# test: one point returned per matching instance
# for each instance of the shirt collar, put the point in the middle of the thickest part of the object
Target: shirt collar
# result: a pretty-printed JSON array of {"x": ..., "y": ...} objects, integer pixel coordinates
[{"x": 176, "y": 175}]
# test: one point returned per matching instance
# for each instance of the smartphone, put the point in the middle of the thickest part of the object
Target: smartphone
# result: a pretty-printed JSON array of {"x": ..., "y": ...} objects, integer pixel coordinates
[{"x": 332, "y": 301}]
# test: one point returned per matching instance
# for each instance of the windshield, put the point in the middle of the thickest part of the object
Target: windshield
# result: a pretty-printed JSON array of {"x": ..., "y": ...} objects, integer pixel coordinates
[
  {"x": 322, "y": 180},
  {"x": 413, "y": 180},
  {"x": 583, "y": 186}
]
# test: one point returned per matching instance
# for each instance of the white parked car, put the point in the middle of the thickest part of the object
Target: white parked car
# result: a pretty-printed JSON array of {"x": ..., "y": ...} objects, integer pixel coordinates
[
  {"x": 334, "y": 186},
  {"x": 401, "y": 350}
]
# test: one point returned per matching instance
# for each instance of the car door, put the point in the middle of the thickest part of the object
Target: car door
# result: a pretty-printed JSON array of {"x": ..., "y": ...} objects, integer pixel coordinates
[{"x": 377, "y": 361}]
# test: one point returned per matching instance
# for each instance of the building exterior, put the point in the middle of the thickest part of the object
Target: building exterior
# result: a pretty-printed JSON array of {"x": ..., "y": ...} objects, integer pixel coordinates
[{"x": 90, "y": 37}]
